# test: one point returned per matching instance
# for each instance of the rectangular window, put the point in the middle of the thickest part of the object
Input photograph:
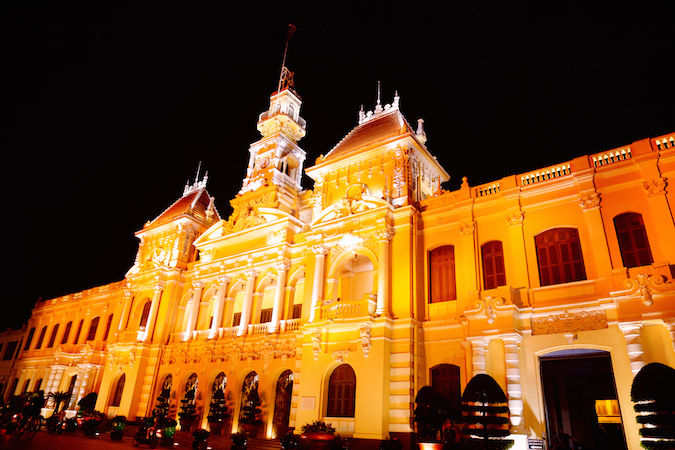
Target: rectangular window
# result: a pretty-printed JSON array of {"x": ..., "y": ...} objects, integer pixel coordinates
[
  {"x": 559, "y": 256},
  {"x": 236, "y": 319},
  {"x": 442, "y": 281},
  {"x": 266, "y": 315},
  {"x": 297, "y": 311},
  {"x": 493, "y": 265}
]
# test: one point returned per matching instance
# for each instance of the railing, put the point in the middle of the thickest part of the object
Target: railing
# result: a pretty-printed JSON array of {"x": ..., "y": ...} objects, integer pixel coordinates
[
  {"x": 545, "y": 174},
  {"x": 611, "y": 157},
  {"x": 128, "y": 336},
  {"x": 290, "y": 325},
  {"x": 348, "y": 309},
  {"x": 227, "y": 332},
  {"x": 259, "y": 328},
  {"x": 665, "y": 142},
  {"x": 487, "y": 189}
]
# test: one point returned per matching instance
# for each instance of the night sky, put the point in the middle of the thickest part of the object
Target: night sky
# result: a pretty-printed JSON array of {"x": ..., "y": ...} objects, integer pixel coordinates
[{"x": 108, "y": 107}]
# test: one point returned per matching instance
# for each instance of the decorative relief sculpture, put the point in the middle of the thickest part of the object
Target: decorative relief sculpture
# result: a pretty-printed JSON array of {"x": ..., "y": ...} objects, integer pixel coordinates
[
  {"x": 645, "y": 286},
  {"x": 468, "y": 228},
  {"x": 588, "y": 202},
  {"x": 515, "y": 218},
  {"x": 316, "y": 344},
  {"x": 366, "y": 343},
  {"x": 340, "y": 355},
  {"x": 570, "y": 322},
  {"x": 655, "y": 187},
  {"x": 245, "y": 214}
]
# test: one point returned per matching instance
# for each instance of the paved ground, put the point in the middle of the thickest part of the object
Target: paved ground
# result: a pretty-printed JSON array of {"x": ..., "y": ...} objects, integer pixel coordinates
[{"x": 78, "y": 441}]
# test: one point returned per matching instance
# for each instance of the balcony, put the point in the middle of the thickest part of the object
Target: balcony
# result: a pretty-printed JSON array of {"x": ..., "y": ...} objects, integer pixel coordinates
[{"x": 348, "y": 309}]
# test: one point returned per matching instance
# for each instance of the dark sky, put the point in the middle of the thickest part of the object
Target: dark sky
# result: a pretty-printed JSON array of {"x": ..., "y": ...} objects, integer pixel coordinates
[{"x": 108, "y": 107}]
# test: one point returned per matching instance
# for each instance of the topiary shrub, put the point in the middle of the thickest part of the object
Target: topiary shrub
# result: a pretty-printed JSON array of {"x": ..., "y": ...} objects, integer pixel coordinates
[
  {"x": 654, "y": 398},
  {"x": 485, "y": 414}
]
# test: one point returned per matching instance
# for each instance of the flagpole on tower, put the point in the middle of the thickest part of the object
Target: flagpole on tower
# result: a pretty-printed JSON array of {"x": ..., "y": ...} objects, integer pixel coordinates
[{"x": 291, "y": 30}]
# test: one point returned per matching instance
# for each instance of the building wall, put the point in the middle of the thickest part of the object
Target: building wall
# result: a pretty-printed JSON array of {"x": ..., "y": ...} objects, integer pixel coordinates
[{"x": 372, "y": 251}]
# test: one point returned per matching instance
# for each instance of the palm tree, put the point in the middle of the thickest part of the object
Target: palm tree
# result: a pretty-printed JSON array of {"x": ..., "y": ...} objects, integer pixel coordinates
[{"x": 59, "y": 398}]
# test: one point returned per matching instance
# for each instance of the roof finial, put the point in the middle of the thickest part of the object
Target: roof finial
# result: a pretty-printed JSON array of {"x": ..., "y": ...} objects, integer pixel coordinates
[
  {"x": 378, "y": 107},
  {"x": 199, "y": 168}
]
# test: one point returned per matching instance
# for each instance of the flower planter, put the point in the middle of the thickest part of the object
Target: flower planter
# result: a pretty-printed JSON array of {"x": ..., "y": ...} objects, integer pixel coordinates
[
  {"x": 318, "y": 436},
  {"x": 216, "y": 427},
  {"x": 117, "y": 435},
  {"x": 186, "y": 424}
]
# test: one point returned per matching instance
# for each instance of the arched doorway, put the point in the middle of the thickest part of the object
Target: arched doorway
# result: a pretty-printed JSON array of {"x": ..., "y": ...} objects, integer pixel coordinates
[
  {"x": 580, "y": 398},
  {"x": 282, "y": 404}
]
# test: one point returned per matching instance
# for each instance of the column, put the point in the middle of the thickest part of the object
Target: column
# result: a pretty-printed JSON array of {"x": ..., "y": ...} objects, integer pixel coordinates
[
  {"x": 194, "y": 308},
  {"x": 632, "y": 334},
  {"x": 83, "y": 375},
  {"x": 282, "y": 268},
  {"x": 671, "y": 329},
  {"x": 479, "y": 351},
  {"x": 589, "y": 202},
  {"x": 223, "y": 281},
  {"x": 384, "y": 237},
  {"x": 251, "y": 275},
  {"x": 54, "y": 379},
  {"x": 514, "y": 390},
  {"x": 126, "y": 308},
  {"x": 157, "y": 295},
  {"x": 320, "y": 252}
]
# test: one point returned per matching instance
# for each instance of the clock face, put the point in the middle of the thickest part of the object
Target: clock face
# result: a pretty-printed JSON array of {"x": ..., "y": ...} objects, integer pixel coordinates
[{"x": 264, "y": 163}]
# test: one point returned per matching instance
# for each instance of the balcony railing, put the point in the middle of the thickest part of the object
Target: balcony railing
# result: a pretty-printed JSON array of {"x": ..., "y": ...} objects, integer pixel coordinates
[{"x": 348, "y": 309}]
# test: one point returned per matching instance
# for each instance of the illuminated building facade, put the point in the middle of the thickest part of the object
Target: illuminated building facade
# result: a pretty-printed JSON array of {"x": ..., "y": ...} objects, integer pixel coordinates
[{"x": 341, "y": 302}]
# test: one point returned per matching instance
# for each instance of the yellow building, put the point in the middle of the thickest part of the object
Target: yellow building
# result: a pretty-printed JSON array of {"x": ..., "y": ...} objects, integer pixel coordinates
[{"x": 341, "y": 302}]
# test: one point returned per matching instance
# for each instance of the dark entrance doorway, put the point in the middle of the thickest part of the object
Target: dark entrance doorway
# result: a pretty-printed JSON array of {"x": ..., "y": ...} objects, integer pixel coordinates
[
  {"x": 282, "y": 404},
  {"x": 580, "y": 399}
]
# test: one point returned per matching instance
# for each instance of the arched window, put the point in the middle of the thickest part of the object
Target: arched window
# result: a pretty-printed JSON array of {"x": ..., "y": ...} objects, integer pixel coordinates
[
  {"x": 79, "y": 330},
  {"x": 219, "y": 383},
  {"x": 446, "y": 381},
  {"x": 442, "y": 281},
  {"x": 493, "y": 265},
  {"x": 107, "y": 327},
  {"x": 559, "y": 256},
  {"x": 342, "y": 392},
  {"x": 29, "y": 339},
  {"x": 92, "y": 329},
  {"x": 145, "y": 315},
  {"x": 66, "y": 333},
  {"x": 52, "y": 338},
  {"x": 119, "y": 390},
  {"x": 633, "y": 242},
  {"x": 41, "y": 338}
]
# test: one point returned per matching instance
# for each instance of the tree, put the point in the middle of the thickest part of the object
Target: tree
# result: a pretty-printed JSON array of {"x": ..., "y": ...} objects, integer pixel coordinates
[
  {"x": 654, "y": 400},
  {"x": 485, "y": 413},
  {"x": 430, "y": 414},
  {"x": 59, "y": 398}
]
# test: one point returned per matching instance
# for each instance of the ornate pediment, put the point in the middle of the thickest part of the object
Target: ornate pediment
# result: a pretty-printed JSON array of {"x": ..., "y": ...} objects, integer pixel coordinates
[{"x": 349, "y": 205}]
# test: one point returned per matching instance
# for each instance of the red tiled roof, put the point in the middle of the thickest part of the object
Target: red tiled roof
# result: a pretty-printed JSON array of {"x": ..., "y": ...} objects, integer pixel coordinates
[
  {"x": 193, "y": 204},
  {"x": 376, "y": 129}
]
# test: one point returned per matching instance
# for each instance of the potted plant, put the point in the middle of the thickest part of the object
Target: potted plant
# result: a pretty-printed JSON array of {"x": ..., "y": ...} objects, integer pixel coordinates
[
  {"x": 317, "y": 431},
  {"x": 70, "y": 425},
  {"x": 91, "y": 421},
  {"x": 249, "y": 421},
  {"x": 168, "y": 431},
  {"x": 200, "y": 436},
  {"x": 390, "y": 444},
  {"x": 117, "y": 428},
  {"x": 290, "y": 441},
  {"x": 187, "y": 414},
  {"x": 239, "y": 440},
  {"x": 217, "y": 412}
]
